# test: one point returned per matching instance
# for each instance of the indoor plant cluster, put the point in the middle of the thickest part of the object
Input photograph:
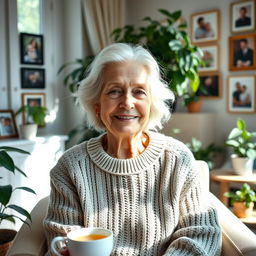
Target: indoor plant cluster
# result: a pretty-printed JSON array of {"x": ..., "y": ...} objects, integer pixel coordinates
[
  {"x": 6, "y": 191},
  {"x": 204, "y": 153}
]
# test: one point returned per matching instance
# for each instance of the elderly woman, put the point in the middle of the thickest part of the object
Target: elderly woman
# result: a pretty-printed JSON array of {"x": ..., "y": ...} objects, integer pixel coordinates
[{"x": 140, "y": 184}]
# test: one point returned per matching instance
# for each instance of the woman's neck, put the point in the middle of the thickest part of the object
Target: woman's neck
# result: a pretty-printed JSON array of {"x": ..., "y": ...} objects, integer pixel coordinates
[{"x": 125, "y": 147}]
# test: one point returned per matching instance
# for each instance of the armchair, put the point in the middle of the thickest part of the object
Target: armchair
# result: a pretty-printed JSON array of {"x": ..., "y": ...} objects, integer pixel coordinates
[{"x": 237, "y": 239}]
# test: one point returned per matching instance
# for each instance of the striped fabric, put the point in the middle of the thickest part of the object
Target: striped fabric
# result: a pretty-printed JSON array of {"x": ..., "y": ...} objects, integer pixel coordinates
[{"x": 153, "y": 202}]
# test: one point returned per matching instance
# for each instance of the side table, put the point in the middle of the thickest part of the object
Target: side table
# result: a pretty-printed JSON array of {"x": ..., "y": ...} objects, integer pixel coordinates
[{"x": 226, "y": 176}]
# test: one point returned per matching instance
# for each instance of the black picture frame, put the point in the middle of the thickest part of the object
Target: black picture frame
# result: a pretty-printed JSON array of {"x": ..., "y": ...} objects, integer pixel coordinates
[
  {"x": 32, "y": 78},
  {"x": 210, "y": 86},
  {"x": 31, "y": 49}
]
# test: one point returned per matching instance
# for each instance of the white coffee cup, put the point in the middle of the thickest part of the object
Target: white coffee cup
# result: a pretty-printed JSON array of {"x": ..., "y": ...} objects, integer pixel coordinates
[{"x": 99, "y": 247}]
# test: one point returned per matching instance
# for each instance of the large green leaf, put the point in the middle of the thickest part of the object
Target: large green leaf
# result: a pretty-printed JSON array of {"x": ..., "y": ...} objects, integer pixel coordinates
[
  {"x": 6, "y": 161},
  {"x": 241, "y": 124},
  {"x": 20, "y": 171},
  {"x": 175, "y": 45},
  {"x": 20, "y": 210},
  {"x": 4, "y": 216},
  {"x": 12, "y": 149},
  {"x": 5, "y": 194},
  {"x": 26, "y": 189},
  {"x": 176, "y": 15},
  {"x": 234, "y": 133},
  {"x": 166, "y": 13},
  {"x": 251, "y": 153},
  {"x": 195, "y": 83},
  {"x": 232, "y": 143}
]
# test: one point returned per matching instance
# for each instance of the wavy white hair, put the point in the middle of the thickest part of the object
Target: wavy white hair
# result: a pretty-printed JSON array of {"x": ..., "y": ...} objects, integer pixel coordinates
[{"x": 90, "y": 88}]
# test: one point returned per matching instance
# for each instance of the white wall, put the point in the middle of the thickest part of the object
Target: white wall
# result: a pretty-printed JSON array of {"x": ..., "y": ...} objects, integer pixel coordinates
[{"x": 136, "y": 10}]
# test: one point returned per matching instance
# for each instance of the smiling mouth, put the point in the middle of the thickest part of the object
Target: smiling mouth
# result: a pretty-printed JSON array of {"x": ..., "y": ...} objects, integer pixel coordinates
[{"x": 126, "y": 117}]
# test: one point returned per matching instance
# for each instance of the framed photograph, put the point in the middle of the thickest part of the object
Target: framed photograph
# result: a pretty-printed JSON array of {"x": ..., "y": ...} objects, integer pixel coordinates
[
  {"x": 31, "y": 49},
  {"x": 8, "y": 127},
  {"x": 242, "y": 52},
  {"x": 32, "y": 99},
  {"x": 242, "y": 15},
  {"x": 205, "y": 27},
  {"x": 241, "y": 94},
  {"x": 210, "y": 58},
  {"x": 32, "y": 78},
  {"x": 210, "y": 86}
]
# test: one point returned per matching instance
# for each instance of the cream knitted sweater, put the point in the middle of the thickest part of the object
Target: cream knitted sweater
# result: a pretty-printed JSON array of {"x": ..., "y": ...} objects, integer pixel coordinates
[{"x": 153, "y": 202}]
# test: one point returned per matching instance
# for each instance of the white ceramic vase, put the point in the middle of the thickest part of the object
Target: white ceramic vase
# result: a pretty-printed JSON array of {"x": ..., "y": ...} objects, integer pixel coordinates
[
  {"x": 242, "y": 165},
  {"x": 28, "y": 131}
]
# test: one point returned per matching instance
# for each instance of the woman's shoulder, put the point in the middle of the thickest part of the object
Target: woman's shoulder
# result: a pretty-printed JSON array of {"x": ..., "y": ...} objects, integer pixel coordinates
[{"x": 75, "y": 153}]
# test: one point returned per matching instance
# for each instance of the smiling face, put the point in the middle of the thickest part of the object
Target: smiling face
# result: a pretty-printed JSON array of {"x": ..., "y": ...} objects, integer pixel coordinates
[{"x": 125, "y": 101}]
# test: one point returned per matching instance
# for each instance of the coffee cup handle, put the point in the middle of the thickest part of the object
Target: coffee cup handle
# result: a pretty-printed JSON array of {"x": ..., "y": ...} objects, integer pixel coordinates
[{"x": 56, "y": 240}]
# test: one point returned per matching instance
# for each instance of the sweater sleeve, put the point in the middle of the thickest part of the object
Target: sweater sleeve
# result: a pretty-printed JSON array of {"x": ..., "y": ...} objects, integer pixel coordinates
[
  {"x": 64, "y": 211},
  {"x": 198, "y": 231}
]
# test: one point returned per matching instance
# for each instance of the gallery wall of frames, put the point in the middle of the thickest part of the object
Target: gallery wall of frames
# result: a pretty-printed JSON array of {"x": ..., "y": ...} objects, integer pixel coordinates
[
  {"x": 205, "y": 31},
  {"x": 32, "y": 77}
]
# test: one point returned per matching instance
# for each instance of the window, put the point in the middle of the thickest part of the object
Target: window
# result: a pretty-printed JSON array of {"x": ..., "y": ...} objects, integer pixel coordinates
[{"x": 29, "y": 16}]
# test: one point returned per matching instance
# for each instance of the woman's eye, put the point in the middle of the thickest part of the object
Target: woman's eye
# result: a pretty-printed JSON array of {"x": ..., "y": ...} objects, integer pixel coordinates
[
  {"x": 115, "y": 93},
  {"x": 139, "y": 92}
]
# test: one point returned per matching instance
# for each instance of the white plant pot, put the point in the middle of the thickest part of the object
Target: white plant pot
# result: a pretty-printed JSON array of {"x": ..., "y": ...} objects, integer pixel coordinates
[
  {"x": 28, "y": 131},
  {"x": 242, "y": 165}
]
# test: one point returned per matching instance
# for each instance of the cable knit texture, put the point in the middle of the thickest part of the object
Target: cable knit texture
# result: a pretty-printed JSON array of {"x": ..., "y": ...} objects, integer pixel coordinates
[{"x": 153, "y": 203}]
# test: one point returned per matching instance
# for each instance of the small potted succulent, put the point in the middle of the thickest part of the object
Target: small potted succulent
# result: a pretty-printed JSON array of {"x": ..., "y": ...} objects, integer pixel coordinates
[
  {"x": 6, "y": 192},
  {"x": 244, "y": 146},
  {"x": 34, "y": 116},
  {"x": 242, "y": 201}
]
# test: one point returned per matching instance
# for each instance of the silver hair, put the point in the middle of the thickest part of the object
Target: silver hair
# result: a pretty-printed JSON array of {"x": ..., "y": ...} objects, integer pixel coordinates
[{"x": 90, "y": 88}]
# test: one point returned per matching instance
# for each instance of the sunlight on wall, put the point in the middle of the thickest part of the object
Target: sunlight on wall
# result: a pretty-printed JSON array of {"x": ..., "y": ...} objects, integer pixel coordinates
[{"x": 52, "y": 115}]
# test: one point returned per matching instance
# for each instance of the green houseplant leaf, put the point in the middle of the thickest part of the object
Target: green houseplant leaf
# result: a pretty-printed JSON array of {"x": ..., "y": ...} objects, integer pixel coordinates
[
  {"x": 5, "y": 194},
  {"x": 6, "y": 191},
  {"x": 6, "y": 161},
  {"x": 20, "y": 210},
  {"x": 37, "y": 114}
]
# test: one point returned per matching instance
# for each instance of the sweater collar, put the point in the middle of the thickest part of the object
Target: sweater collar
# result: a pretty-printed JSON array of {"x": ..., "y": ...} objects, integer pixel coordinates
[{"x": 126, "y": 166}]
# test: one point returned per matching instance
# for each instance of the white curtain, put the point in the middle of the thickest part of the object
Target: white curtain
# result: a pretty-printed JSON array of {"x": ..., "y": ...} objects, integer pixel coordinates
[{"x": 101, "y": 17}]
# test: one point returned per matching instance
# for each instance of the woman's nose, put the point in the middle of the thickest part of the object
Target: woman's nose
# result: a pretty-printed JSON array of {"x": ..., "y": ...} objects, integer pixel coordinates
[{"x": 127, "y": 101}]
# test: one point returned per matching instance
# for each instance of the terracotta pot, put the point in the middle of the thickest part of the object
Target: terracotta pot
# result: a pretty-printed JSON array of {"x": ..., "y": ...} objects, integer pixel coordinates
[
  {"x": 241, "y": 211},
  {"x": 195, "y": 106},
  {"x": 6, "y": 238}
]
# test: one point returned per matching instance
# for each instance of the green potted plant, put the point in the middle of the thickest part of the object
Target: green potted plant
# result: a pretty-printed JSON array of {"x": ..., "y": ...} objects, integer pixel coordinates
[
  {"x": 244, "y": 146},
  {"x": 6, "y": 192},
  {"x": 206, "y": 154},
  {"x": 34, "y": 116},
  {"x": 242, "y": 200}
]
